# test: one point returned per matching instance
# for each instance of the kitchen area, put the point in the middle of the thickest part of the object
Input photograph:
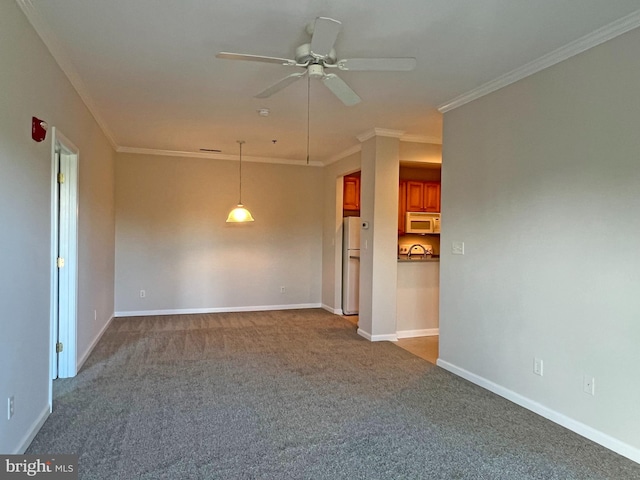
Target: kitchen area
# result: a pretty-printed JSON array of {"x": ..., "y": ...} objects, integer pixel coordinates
[{"x": 418, "y": 249}]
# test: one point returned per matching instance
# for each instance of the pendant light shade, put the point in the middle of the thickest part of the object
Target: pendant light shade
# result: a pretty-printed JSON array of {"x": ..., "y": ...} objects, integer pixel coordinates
[{"x": 240, "y": 214}]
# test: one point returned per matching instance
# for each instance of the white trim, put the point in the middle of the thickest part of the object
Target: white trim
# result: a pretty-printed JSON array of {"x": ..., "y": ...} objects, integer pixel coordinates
[
  {"x": 403, "y": 138},
  {"x": 53, "y": 294},
  {"x": 377, "y": 338},
  {"x": 379, "y": 132},
  {"x": 67, "y": 311},
  {"x": 364, "y": 334},
  {"x": 187, "y": 311},
  {"x": 344, "y": 154},
  {"x": 595, "y": 38},
  {"x": 420, "y": 139},
  {"x": 425, "y": 332},
  {"x": 59, "y": 55},
  {"x": 93, "y": 344},
  {"x": 33, "y": 431},
  {"x": 335, "y": 311},
  {"x": 597, "y": 436},
  {"x": 216, "y": 156},
  {"x": 391, "y": 337}
]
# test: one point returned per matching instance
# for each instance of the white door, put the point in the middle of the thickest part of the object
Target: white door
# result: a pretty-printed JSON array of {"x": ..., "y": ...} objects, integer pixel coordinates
[{"x": 64, "y": 240}]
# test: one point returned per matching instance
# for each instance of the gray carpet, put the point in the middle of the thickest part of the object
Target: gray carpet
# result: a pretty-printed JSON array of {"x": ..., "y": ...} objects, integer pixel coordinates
[{"x": 294, "y": 395}]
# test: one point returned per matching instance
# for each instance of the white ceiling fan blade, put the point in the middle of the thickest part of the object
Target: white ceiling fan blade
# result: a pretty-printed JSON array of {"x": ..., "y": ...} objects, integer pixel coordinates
[
  {"x": 341, "y": 90},
  {"x": 255, "y": 58},
  {"x": 325, "y": 33},
  {"x": 378, "y": 64},
  {"x": 280, "y": 84}
]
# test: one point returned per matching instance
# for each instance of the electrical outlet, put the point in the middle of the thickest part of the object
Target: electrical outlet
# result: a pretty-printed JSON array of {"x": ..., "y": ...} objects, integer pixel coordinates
[
  {"x": 457, "y": 248},
  {"x": 538, "y": 366},
  {"x": 282, "y": 289},
  {"x": 403, "y": 249},
  {"x": 10, "y": 407},
  {"x": 143, "y": 294},
  {"x": 589, "y": 385}
]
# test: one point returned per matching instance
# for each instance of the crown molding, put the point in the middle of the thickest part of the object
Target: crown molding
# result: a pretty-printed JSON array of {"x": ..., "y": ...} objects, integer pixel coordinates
[
  {"x": 65, "y": 64},
  {"x": 379, "y": 132},
  {"x": 370, "y": 134},
  {"x": 593, "y": 39},
  {"x": 216, "y": 156},
  {"x": 344, "y": 154},
  {"x": 421, "y": 139}
]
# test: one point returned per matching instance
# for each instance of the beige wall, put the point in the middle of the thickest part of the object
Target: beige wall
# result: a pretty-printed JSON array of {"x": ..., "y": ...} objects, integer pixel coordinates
[
  {"x": 541, "y": 181},
  {"x": 33, "y": 85},
  {"x": 173, "y": 242},
  {"x": 379, "y": 242},
  {"x": 421, "y": 153}
]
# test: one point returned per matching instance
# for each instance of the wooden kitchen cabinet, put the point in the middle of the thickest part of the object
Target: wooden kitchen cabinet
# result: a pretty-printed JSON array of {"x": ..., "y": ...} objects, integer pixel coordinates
[
  {"x": 402, "y": 206},
  {"x": 351, "y": 193},
  {"x": 422, "y": 196},
  {"x": 415, "y": 196},
  {"x": 432, "y": 197}
]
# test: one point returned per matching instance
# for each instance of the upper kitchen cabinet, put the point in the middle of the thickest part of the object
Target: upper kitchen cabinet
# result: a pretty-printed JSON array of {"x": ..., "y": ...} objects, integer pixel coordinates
[
  {"x": 422, "y": 196},
  {"x": 351, "y": 195},
  {"x": 402, "y": 206}
]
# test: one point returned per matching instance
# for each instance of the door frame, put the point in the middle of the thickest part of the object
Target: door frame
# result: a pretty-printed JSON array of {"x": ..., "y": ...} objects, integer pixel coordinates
[{"x": 64, "y": 293}]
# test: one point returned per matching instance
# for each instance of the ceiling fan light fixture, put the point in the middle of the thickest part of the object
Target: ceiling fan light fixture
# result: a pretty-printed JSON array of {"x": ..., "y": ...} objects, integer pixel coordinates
[
  {"x": 315, "y": 71},
  {"x": 240, "y": 214}
]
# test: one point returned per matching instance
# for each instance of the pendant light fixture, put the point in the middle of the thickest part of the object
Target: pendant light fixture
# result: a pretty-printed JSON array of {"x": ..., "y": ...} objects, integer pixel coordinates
[{"x": 240, "y": 214}]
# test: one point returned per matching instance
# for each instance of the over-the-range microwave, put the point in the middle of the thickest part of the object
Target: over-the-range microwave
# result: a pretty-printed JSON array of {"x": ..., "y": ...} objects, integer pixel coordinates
[{"x": 422, "y": 222}]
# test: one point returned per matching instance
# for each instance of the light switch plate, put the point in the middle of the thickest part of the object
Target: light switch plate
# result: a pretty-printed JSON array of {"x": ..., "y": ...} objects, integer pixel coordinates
[
  {"x": 589, "y": 384},
  {"x": 538, "y": 366},
  {"x": 457, "y": 248}
]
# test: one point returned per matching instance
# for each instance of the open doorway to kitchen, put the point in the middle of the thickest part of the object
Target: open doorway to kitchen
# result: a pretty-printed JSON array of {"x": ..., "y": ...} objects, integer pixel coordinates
[
  {"x": 419, "y": 253},
  {"x": 348, "y": 214},
  {"x": 64, "y": 254}
]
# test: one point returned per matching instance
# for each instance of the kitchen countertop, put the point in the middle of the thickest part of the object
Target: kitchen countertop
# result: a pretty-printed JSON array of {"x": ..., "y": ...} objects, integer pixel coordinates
[{"x": 418, "y": 258}]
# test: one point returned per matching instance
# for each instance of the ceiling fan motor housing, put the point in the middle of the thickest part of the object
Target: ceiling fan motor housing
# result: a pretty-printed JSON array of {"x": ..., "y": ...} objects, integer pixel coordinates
[{"x": 304, "y": 55}]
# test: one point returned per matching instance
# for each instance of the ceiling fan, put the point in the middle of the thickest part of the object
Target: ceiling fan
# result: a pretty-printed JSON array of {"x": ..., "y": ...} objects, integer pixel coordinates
[{"x": 318, "y": 56}]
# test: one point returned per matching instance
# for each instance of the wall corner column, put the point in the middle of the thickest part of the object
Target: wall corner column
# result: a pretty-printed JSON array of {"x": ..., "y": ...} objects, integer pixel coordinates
[{"x": 379, "y": 242}]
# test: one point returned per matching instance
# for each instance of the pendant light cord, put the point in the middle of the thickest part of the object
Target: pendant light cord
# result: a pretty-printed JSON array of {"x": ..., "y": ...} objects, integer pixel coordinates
[
  {"x": 308, "y": 114},
  {"x": 240, "y": 190}
]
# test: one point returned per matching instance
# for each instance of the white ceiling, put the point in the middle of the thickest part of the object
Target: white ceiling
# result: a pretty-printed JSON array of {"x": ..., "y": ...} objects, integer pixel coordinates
[{"x": 147, "y": 68}]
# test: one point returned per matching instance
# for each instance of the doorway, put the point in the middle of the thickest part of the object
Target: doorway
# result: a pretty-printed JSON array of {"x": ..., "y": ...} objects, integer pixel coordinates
[{"x": 64, "y": 254}]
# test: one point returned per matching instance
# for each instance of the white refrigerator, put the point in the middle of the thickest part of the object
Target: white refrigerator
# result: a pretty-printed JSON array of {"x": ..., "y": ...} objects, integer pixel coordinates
[{"x": 351, "y": 266}]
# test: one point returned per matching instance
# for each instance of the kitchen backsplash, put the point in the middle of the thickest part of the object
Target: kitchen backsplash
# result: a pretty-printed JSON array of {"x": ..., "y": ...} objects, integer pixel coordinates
[{"x": 410, "y": 239}]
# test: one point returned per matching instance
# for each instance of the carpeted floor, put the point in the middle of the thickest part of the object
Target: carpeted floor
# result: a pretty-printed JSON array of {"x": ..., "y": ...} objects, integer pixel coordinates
[{"x": 294, "y": 395}]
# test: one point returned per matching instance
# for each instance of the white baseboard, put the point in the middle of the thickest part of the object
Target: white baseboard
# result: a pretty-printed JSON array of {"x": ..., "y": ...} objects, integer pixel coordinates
[
  {"x": 89, "y": 349},
  {"x": 377, "y": 338},
  {"x": 592, "y": 434},
  {"x": 335, "y": 311},
  {"x": 364, "y": 334},
  {"x": 187, "y": 311},
  {"x": 32, "y": 432},
  {"x": 392, "y": 337},
  {"x": 425, "y": 332}
]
